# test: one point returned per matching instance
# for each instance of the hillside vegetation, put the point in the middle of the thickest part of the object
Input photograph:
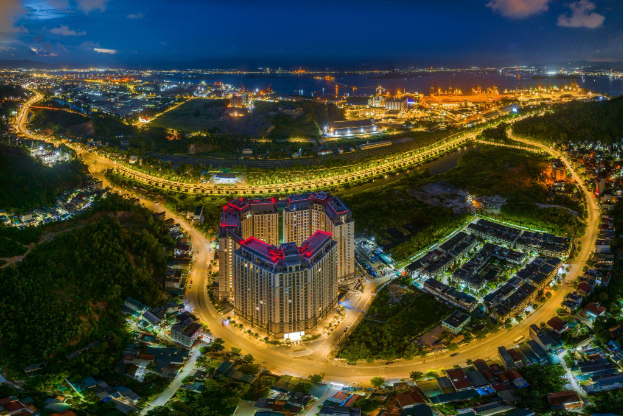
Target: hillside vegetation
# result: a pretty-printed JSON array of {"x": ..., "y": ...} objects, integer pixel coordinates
[
  {"x": 58, "y": 121},
  {"x": 68, "y": 292},
  {"x": 28, "y": 184},
  {"x": 576, "y": 122},
  {"x": 391, "y": 325}
]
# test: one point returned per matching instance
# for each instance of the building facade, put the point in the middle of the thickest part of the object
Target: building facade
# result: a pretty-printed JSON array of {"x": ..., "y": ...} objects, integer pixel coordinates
[
  {"x": 285, "y": 291},
  {"x": 350, "y": 127},
  {"x": 396, "y": 104},
  {"x": 292, "y": 220}
]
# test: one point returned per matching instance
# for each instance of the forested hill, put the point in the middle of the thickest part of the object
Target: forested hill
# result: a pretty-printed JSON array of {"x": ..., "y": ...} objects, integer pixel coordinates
[
  {"x": 576, "y": 122},
  {"x": 28, "y": 184},
  {"x": 68, "y": 292}
]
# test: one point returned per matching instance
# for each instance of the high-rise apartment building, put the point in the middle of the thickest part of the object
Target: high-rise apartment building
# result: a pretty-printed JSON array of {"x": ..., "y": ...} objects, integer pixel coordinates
[
  {"x": 292, "y": 220},
  {"x": 285, "y": 291}
]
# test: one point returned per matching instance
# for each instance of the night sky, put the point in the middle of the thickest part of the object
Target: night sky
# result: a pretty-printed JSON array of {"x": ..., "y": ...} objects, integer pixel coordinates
[{"x": 362, "y": 34}]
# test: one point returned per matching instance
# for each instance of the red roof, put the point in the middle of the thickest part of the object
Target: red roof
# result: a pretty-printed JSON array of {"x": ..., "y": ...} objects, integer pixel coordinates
[
  {"x": 514, "y": 355},
  {"x": 499, "y": 387},
  {"x": 459, "y": 378},
  {"x": 13, "y": 406},
  {"x": 557, "y": 324},
  {"x": 341, "y": 396},
  {"x": 409, "y": 398},
  {"x": 353, "y": 399},
  {"x": 488, "y": 374},
  {"x": 456, "y": 374},
  {"x": 595, "y": 308},
  {"x": 393, "y": 411},
  {"x": 496, "y": 368},
  {"x": 562, "y": 398},
  {"x": 513, "y": 375},
  {"x": 584, "y": 287}
]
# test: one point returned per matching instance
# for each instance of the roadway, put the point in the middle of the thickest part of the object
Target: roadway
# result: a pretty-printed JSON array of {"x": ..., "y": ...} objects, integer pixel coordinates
[
  {"x": 278, "y": 359},
  {"x": 175, "y": 385},
  {"x": 382, "y": 166}
]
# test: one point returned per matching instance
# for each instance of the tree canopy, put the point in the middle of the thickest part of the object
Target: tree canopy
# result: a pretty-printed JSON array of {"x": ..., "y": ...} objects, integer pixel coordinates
[
  {"x": 28, "y": 184},
  {"x": 69, "y": 291},
  {"x": 576, "y": 121}
]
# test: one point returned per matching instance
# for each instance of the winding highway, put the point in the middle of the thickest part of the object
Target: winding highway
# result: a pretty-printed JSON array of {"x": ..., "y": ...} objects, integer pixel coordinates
[
  {"x": 281, "y": 359},
  {"x": 380, "y": 167}
]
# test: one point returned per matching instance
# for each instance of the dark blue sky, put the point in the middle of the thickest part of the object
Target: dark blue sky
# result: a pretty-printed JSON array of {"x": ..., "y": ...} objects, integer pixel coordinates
[{"x": 319, "y": 33}]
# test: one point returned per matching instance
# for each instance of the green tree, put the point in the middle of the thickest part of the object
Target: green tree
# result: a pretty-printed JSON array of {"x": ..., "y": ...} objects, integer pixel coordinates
[
  {"x": 367, "y": 404},
  {"x": 416, "y": 375},
  {"x": 315, "y": 378},
  {"x": 377, "y": 381}
]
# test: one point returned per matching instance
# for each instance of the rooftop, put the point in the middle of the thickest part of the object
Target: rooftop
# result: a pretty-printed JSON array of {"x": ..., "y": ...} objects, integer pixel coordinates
[{"x": 287, "y": 252}]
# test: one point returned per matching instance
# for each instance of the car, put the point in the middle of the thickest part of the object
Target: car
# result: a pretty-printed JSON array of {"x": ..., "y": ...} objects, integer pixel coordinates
[
  {"x": 390, "y": 362},
  {"x": 455, "y": 355},
  {"x": 346, "y": 329}
]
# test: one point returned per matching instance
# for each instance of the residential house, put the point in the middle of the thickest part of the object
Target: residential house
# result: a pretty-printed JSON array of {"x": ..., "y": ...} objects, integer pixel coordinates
[
  {"x": 456, "y": 322},
  {"x": 572, "y": 302},
  {"x": 186, "y": 332},
  {"x": 593, "y": 310},
  {"x": 505, "y": 357},
  {"x": 459, "y": 379},
  {"x": 558, "y": 325},
  {"x": 564, "y": 400},
  {"x": 546, "y": 339}
]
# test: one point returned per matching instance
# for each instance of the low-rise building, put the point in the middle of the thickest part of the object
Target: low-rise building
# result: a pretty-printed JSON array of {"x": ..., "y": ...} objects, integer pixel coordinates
[
  {"x": 459, "y": 379},
  {"x": 545, "y": 338},
  {"x": 186, "y": 332},
  {"x": 198, "y": 215},
  {"x": 593, "y": 310},
  {"x": 597, "y": 367},
  {"x": 456, "y": 322},
  {"x": 450, "y": 295},
  {"x": 351, "y": 127},
  {"x": 558, "y": 325},
  {"x": 564, "y": 400},
  {"x": 544, "y": 244},
  {"x": 497, "y": 233}
]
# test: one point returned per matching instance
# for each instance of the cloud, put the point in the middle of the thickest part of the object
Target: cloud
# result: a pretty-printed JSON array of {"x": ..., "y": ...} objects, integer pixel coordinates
[
  {"x": 64, "y": 30},
  {"x": 88, "y": 6},
  {"x": 138, "y": 15},
  {"x": 46, "y": 48},
  {"x": 582, "y": 16},
  {"x": 45, "y": 9},
  {"x": 94, "y": 46},
  {"x": 89, "y": 44},
  {"x": 8, "y": 10},
  {"x": 518, "y": 9},
  {"x": 107, "y": 51}
]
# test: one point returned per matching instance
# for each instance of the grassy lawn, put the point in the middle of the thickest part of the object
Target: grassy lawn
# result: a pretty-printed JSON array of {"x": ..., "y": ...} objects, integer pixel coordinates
[
  {"x": 194, "y": 115},
  {"x": 392, "y": 326}
]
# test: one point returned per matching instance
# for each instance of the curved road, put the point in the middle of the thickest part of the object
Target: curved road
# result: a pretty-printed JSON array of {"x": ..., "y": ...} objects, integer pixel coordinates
[
  {"x": 278, "y": 358},
  {"x": 382, "y": 166}
]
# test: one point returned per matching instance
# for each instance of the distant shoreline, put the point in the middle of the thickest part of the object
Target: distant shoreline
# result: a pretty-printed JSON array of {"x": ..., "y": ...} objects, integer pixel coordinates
[{"x": 558, "y": 76}]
